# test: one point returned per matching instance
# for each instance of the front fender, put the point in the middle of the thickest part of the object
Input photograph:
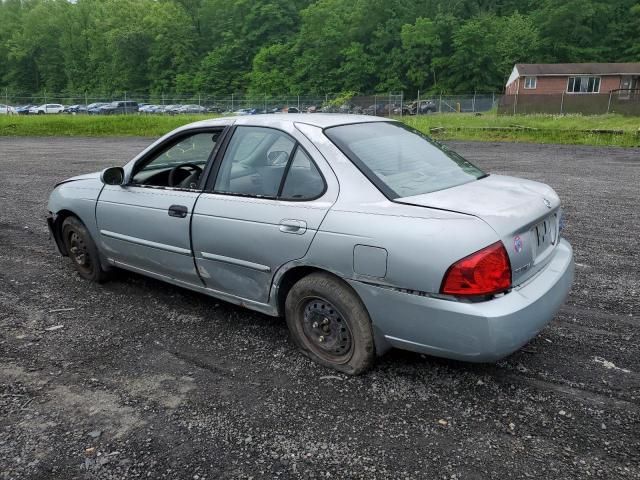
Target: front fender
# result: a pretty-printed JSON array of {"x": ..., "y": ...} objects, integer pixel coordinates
[{"x": 76, "y": 197}]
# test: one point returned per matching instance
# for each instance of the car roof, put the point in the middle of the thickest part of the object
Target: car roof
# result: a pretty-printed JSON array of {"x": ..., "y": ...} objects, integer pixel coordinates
[{"x": 322, "y": 120}]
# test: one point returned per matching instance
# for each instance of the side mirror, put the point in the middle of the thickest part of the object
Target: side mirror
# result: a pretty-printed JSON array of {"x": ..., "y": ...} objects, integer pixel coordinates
[{"x": 112, "y": 176}]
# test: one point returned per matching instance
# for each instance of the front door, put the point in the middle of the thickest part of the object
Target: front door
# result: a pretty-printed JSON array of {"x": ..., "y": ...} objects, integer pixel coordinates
[
  {"x": 267, "y": 202},
  {"x": 144, "y": 224}
]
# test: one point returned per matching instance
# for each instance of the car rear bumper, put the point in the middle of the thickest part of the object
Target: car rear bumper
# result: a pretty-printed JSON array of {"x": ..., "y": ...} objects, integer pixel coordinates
[{"x": 477, "y": 332}]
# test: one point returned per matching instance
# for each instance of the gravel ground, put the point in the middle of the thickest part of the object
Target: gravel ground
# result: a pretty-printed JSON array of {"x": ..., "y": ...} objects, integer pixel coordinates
[{"x": 149, "y": 380}]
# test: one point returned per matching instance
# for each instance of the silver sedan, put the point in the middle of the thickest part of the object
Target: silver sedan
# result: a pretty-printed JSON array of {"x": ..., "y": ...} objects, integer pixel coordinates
[{"x": 363, "y": 233}]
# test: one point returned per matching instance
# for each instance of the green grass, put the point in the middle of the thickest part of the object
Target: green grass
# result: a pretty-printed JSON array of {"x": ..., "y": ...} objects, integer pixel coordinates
[
  {"x": 610, "y": 130},
  {"x": 93, "y": 125},
  {"x": 568, "y": 129}
]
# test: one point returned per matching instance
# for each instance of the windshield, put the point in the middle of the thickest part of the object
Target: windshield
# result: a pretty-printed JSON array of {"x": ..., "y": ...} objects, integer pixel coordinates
[{"x": 401, "y": 161}]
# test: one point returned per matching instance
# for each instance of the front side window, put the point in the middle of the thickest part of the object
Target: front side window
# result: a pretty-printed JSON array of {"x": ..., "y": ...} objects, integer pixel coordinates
[
  {"x": 181, "y": 164},
  {"x": 583, "y": 84},
  {"x": 401, "y": 161},
  {"x": 530, "y": 83}
]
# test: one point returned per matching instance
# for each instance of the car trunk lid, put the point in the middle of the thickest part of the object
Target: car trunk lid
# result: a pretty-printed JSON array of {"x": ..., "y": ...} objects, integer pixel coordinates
[{"x": 525, "y": 215}]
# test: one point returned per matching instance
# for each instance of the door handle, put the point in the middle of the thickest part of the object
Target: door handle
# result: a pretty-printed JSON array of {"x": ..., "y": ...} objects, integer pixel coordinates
[
  {"x": 179, "y": 211},
  {"x": 297, "y": 227}
]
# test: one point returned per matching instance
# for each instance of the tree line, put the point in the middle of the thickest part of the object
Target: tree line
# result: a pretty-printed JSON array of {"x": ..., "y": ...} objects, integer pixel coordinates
[{"x": 278, "y": 47}]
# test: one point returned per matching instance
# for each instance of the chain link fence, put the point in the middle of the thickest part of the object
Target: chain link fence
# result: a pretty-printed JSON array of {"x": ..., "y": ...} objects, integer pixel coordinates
[
  {"x": 624, "y": 102},
  {"x": 389, "y": 104}
]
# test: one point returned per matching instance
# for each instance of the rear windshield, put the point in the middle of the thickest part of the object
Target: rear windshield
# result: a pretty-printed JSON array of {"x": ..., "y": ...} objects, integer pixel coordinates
[{"x": 401, "y": 161}]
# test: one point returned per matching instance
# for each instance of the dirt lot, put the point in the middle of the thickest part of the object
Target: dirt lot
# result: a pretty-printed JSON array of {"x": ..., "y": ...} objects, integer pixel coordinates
[{"x": 165, "y": 383}]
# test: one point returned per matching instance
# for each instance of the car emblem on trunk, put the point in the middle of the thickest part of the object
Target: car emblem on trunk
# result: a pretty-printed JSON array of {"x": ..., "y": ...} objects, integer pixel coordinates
[
  {"x": 517, "y": 244},
  {"x": 547, "y": 202}
]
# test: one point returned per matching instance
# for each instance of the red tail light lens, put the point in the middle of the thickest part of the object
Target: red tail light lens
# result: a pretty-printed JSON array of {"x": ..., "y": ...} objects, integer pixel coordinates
[{"x": 485, "y": 272}]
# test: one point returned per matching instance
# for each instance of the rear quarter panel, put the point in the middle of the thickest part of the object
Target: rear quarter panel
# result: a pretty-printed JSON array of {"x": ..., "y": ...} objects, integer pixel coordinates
[{"x": 420, "y": 244}]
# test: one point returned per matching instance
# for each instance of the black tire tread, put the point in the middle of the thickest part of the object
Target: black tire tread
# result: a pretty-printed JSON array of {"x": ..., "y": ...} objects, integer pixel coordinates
[
  {"x": 98, "y": 275},
  {"x": 347, "y": 301}
]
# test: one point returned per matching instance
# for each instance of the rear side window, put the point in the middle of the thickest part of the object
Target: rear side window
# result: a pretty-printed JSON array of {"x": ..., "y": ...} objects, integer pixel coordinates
[
  {"x": 304, "y": 181},
  {"x": 399, "y": 160}
]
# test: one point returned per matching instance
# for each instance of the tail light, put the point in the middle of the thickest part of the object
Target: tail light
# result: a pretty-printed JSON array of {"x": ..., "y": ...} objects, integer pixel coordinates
[{"x": 485, "y": 272}]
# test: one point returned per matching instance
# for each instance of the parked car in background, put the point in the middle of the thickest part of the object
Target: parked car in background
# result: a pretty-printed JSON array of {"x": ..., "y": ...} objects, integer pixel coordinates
[
  {"x": 149, "y": 108},
  {"x": 424, "y": 107},
  {"x": 377, "y": 109},
  {"x": 75, "y": 109},
  {"x": 7, "y": 109},
  {"x": 172, "y": 109},
  {"x": 119, "y": 107},
  {"x": 246, "y": 111},
  {"x": 23, "y": 109},
  {"x": 94, "y": 108},
  {"x": 191, "y": 109},
  {"x": 362, "y": 232},
  {"x": 47, "y": 108}
]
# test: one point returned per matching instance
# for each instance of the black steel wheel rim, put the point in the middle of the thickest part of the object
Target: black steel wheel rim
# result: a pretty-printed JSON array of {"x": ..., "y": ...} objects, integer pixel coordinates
[
  {"x": 326, "y": 330},
  {"x": 79, "y": 252}
]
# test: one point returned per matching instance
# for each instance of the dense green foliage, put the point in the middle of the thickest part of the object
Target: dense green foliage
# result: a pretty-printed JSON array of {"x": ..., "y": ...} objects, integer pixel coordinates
[{"x": 301, "y": 46}]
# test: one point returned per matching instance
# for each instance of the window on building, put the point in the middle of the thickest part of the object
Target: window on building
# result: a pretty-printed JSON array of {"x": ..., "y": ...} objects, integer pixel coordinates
[
  {"x": 583, "y": 85},
  {"x": 530, "y": 82}
]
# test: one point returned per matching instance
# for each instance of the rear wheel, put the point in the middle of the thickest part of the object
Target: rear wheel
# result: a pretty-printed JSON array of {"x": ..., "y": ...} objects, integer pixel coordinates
[
  {"x": 82, "y": 250},
  {"x": 330, "y": 324}
]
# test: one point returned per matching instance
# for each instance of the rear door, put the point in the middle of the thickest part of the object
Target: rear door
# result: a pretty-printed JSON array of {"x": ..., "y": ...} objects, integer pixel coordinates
[
  {"x": 144, "y": 225},
  {"x": 270, "y": 193}
]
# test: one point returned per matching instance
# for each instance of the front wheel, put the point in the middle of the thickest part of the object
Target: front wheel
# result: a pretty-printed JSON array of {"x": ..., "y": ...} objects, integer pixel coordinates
[
  {"x": 82, "y": 250},
  {"x": 330, "y": 324}
]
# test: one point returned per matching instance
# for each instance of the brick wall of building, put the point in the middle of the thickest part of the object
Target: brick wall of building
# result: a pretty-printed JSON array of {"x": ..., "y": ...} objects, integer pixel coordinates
[{"x": 548, "y": 85}]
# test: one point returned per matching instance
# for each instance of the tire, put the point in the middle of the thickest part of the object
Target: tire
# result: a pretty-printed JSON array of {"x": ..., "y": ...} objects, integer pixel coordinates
[
  {"x": 330, "y": 324},
  {"x": 82, "y": 250}
]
